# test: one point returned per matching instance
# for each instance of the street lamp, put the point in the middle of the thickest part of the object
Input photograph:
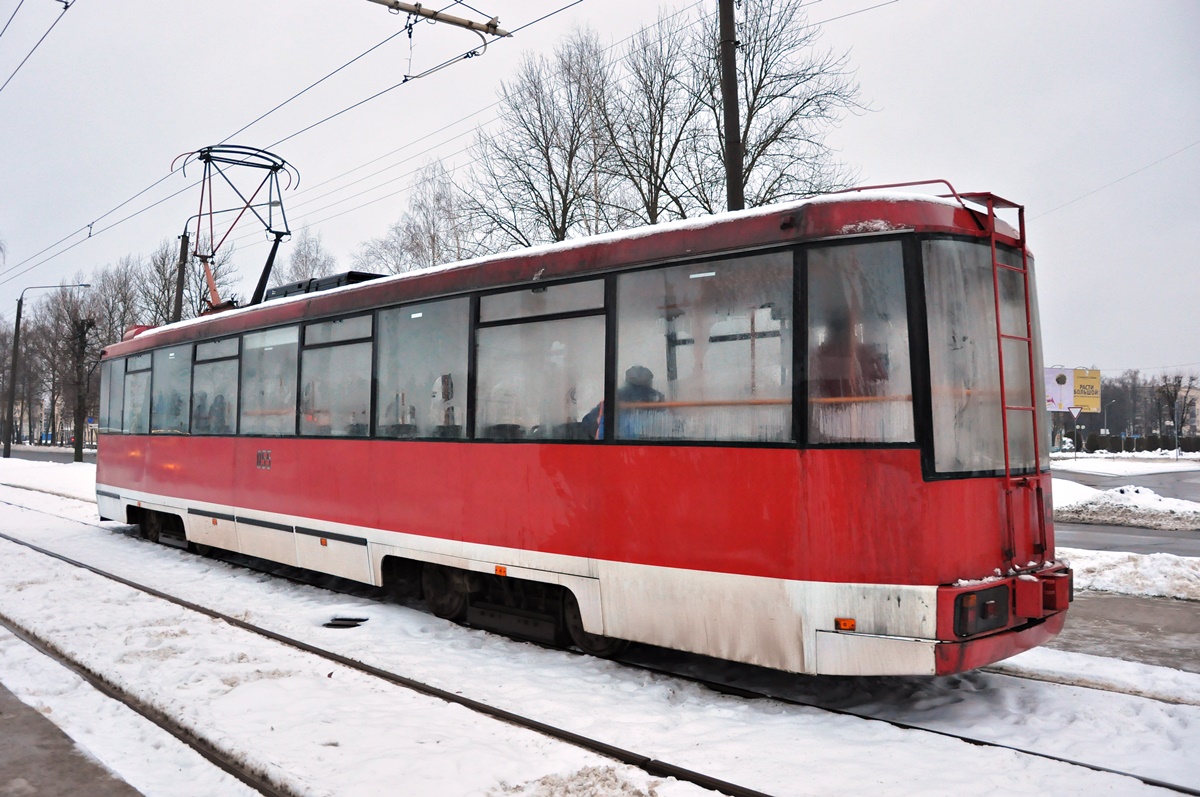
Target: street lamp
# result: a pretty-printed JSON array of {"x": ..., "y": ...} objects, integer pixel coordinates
[
  {"x": 12, "y": 378},
  {"x": 1106, "y": 406}
]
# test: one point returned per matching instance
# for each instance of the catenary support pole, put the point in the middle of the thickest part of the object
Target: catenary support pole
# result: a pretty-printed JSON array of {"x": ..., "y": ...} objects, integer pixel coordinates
[{"x": 734, "y": 190}]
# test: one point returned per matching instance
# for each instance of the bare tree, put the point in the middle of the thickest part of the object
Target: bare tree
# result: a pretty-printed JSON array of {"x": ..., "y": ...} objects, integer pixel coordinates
[
  {"x": 158, "y": 277},
  {"x": 651, "y": 118},
  {"x": 537, "y": 178},
  {"x": 308, "y": 259},
  {"x": 791, "y": 93},
  {"x": 1177, "y": 391},
  {"x": 433, "y": 230},
  {"x": 76, "y": 346},
  {"x": 156, "y": 291},
  {"x": 115, "y": 290}
]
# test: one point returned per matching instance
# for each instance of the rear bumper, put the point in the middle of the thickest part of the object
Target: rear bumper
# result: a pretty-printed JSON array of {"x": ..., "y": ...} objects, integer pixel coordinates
[
  {"x": 841, "y": 653},
  {"x": 952, "y": 657}
]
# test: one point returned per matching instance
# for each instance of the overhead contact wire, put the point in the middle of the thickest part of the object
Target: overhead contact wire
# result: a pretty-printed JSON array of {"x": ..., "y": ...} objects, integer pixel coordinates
[{"x": 57, "y": 19}]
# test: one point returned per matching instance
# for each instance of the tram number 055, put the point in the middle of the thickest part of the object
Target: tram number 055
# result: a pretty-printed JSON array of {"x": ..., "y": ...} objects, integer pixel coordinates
[{"x": 262, "y": 460}]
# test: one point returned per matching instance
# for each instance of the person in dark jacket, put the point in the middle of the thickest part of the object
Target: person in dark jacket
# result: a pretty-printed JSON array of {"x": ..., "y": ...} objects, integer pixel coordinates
[{"x": 638, "y": 389}]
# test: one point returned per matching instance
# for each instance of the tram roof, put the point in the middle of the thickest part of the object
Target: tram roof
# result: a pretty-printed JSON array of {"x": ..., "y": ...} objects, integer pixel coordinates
[{"x": 829, "y": 216}]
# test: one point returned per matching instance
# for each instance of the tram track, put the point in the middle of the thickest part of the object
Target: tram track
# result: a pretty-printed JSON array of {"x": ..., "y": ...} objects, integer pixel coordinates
[
  {"x": 646, "y": 763},
  {"x": 307, "y": 578},
  {"x": 210, "y": 752}
]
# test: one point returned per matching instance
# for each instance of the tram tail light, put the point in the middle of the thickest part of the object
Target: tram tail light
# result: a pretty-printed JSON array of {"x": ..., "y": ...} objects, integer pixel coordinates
[
  {"x": 985, "y": 610},
  {"x": 844, "y": 623}
]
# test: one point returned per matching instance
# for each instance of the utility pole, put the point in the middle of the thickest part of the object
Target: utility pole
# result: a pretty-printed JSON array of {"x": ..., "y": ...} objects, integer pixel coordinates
[
  {"x": 735, "y": 197},
  {"x": 177, "y": 311},
  {"x": 12, "y": 380},
  {"x": 81, "y": 329}
]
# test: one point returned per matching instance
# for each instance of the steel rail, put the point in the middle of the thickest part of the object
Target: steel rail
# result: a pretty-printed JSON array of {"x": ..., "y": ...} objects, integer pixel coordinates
[
  {"x": 647, "y": 764},
  {"x": 210, "y": 752}
]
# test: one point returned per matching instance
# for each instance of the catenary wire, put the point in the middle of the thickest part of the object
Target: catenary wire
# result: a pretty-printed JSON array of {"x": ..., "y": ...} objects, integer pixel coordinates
[
  {"x": 10, "y": 19},
  {"x": 57, "y": 19},
  {"x": 1114, "y": 182},
  {"x": 90, "y": 227},
  {"x": 429, "y": 149}
]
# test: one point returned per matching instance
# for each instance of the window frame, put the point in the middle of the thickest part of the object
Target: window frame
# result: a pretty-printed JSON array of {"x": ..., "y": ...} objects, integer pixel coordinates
[
  {"x": 472, "y": 313},
  {"x": 613, "y": 379},
  {"x": 918, "y": 337},
  {"x": 605, "y": 311},
  {"x": 299, "y": 327},
  {"x": 372, "y": 315},
  {"x": 236, "y": 357},
  {"x": 920, "y": 327}
]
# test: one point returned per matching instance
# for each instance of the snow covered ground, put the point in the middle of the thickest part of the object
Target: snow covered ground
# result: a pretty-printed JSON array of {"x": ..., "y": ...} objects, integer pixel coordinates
[{"x": 327, "y": 731}]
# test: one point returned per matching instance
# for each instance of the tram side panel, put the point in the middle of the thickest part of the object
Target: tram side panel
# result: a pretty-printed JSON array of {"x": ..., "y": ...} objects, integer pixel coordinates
[{"x": 749, "y": 554}]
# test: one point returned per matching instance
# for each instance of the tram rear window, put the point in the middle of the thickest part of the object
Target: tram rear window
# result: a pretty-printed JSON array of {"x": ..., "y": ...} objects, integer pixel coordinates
[{"x": 968, "y": 425}]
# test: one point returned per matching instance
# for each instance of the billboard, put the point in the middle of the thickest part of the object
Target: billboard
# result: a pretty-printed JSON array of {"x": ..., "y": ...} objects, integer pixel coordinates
[{"x": 1072, "y": 387}]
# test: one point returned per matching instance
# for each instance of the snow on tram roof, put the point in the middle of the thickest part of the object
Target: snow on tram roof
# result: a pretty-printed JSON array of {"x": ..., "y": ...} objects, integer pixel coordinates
[{"x": 645, "y": 231}]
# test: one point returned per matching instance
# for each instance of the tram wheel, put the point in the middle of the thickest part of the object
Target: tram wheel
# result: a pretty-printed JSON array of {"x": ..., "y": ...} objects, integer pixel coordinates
[
  {"x": 151, "y": 525},
  {"x": 445, "y": 595},
  {"x": 593, "y": 644}
]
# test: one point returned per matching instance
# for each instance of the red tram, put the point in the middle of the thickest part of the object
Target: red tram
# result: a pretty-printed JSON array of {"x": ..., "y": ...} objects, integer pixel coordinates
[{"x": 806, "y": 436}]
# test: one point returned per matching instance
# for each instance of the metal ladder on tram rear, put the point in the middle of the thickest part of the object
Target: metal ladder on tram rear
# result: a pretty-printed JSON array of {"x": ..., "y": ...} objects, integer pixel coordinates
[{"x": 1026, "y": 483}]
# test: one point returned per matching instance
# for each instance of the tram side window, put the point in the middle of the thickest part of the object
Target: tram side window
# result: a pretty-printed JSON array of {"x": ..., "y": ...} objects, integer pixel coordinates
[
  {"x": 705, "y": 351},
  {"x": 135, "y": 417},
  {"x": 115, "y": 395},
  {"x": 859, "y": 375},
  {"x": 335, "y": 378},
  {"x": 422, "y": 373},
  {"x": 214, "y": 387},
  {"x": 537, "y": 379},
  {"x": 268, "y": 399},
  {"x": 172, "y": 376}
]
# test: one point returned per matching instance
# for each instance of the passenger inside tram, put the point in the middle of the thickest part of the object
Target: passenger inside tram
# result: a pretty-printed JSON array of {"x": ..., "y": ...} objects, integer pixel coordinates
[{"x": 637, "y": 391}]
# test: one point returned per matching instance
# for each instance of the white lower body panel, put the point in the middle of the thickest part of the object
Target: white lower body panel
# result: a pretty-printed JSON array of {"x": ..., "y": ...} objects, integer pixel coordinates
[{"x": 778, "y": 623}]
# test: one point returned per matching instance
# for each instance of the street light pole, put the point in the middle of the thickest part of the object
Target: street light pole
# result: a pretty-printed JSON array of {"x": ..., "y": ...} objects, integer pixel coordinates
[{"x": 12, "y": 376}]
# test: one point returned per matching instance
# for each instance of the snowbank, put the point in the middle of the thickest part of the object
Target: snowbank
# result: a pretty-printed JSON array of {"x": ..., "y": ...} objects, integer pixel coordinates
[
  {"x": 1151, "y": 575},
  {"x": 1123, "y": 506}
]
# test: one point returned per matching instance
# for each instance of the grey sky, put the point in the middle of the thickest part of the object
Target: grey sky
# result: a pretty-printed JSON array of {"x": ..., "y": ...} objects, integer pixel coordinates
[{"x": 1039, "y": 102}]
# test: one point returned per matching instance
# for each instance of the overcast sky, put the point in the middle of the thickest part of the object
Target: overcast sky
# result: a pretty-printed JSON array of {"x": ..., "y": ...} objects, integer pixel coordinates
[{"x": 1086, "y": 112}]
